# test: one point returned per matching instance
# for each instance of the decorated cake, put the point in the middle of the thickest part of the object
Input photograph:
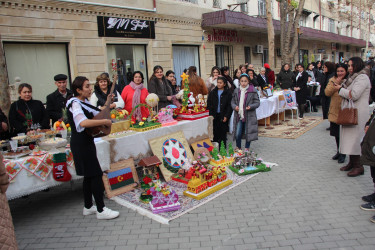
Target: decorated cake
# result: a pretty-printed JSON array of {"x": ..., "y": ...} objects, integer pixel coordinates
[
  {"x": 165, "y": 117},
  {"x": 53, "y": 143}
]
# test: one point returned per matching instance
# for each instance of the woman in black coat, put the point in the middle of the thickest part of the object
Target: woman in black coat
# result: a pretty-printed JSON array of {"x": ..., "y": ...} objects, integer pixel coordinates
[
  {"x": 328, "y": 72},
  {"x": 26, "y": 112},
  {"x": 285, "y": 77},
  {"x": 220, "y": 109},
  {"x": 300, "y": 86}
]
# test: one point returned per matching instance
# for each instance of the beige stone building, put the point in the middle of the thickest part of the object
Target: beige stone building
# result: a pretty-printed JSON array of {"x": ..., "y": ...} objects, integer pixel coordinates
[{"x": 46, "y": 37}]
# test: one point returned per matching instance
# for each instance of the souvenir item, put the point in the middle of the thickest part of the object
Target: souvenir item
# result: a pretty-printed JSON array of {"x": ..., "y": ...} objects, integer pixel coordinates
[
  {"x": 121, "y": 178},
  {"x": 173, "y": 150},
  {"x": 60, "y": 170}
]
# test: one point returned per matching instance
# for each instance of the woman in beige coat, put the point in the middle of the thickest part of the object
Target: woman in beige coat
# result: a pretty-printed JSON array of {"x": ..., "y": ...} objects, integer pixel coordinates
[
  {"x": 357, "y": 88},
  {"x": 335, "y": 106},
  {"x": 7, "y": 235}
]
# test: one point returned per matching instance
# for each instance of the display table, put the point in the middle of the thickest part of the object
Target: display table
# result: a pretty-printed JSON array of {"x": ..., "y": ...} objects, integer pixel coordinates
[
  {"x": 109, "y": 150},
  {"x": 269, "y": 106}
]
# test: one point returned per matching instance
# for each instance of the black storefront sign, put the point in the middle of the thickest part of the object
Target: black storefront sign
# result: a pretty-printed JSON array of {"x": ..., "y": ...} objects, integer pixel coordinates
[{"x": 125, "y": 27}]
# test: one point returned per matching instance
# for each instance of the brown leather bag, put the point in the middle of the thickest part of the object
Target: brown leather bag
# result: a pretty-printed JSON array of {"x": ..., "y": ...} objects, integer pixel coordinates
[{"x": 348, "y": 114}]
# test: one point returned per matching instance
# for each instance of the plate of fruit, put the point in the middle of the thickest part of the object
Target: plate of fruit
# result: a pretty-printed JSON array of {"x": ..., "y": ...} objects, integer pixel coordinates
[{"x": 119, "y": 114}]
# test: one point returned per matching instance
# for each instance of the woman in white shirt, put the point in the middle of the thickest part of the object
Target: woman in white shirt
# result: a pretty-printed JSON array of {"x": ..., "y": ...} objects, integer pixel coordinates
[
  {"x": 101, "y": 91},
  {"x": 80, "y": 114}
]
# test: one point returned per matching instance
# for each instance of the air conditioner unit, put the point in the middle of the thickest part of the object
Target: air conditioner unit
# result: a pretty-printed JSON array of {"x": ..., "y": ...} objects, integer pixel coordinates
[
  {"x": 278, "y": 52},
  {"x": 259, "y": 49}
]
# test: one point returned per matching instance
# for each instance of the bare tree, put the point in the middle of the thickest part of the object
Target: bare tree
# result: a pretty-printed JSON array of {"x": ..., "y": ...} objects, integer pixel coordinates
[
  {"x": 271, "y": 34},
  {"x": 4, "y": 87},
  {"x": 290, "y": 14}
]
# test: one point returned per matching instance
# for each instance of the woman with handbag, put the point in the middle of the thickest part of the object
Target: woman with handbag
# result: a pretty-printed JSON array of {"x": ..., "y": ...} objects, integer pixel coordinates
[
  {"x": 355, "y": 91},
  {"x": 335, "y": 106},
  {"x": 80, "y": 114}
]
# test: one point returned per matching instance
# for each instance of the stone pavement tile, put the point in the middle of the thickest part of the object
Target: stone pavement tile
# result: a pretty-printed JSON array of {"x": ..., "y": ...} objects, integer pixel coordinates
[
  {"x": 168, "y": 246},
  {"x": 246, "y": 246},
  {"x": 304, "y": 247},
  {"x": 125, "y": 247},
  {"x": 325, "y": 245},
  {"x": 146, "y": 247}
]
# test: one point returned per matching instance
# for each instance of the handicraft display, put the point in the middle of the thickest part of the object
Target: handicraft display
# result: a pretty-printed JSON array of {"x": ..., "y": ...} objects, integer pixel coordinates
[
  {"x": 248, "y": 163},
  {"x": 145, "y": 123},
  {"x": 121, "y": 178},
  {"x": 173, "y": 150}
]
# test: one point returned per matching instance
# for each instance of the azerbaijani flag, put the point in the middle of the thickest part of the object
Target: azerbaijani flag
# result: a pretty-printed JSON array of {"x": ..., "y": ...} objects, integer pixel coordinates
[{"x": 120, "y": 178}]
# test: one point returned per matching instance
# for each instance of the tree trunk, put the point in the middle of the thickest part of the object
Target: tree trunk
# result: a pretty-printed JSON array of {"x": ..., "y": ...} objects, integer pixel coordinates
[
  {"x": 288, "y": 30},
  {"x": 4, "y": 86},
  {"x": 271, "y": 34}
]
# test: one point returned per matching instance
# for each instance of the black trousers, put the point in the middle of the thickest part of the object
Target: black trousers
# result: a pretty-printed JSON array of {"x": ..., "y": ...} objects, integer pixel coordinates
[
  {"x": 220, "y": 129},
  {"x": 93, "y": 186},
  {"x": 301, "y": 109},
  {"x": 325, "y": 106},
  {"x": 372, "y": 169}
]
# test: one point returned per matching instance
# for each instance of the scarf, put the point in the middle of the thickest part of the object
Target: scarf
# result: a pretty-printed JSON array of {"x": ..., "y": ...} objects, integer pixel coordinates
[
  {"x": 349, "y": 81},
  {"x": 298, "y": 76},
  {"x": 137, "y": 99},
  {"x": 102, "y": 97},
  {"x": 242, "y": 101}
]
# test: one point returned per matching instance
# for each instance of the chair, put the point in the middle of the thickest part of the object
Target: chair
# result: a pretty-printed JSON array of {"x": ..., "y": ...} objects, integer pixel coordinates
[
  {"x": 309, "y": 103},
  {"x": 287, "y": 103}
]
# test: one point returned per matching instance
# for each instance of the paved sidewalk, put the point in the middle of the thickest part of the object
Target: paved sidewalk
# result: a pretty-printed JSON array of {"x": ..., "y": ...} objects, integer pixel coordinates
[{"x": 304, "y": 203}]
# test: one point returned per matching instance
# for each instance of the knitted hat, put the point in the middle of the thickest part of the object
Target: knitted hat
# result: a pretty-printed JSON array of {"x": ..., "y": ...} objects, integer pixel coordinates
[{"x": 267, "y": 66}]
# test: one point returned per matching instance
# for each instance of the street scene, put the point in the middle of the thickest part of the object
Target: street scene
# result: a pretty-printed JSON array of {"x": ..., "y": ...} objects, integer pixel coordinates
[{"x": 187, "y": 124}]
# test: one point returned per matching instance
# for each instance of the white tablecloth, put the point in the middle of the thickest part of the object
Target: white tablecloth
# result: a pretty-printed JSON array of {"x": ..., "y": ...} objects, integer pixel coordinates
[
  {"x": 268, "y": 106},
  {"x": 113, "y": 150}
]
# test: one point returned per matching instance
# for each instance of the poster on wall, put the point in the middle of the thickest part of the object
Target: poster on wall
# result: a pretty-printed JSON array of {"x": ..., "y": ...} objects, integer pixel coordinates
[{"x": 125, "y": 27}]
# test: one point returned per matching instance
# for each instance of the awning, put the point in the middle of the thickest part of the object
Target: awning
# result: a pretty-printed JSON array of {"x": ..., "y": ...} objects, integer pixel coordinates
[{"x": 235, "y": 20}]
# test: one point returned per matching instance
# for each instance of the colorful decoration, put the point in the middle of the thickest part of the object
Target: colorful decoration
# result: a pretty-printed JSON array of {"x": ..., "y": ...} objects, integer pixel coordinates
[
  {"x": 43, "y": 171},
  {"x": 12, "y": 168},
  {"x": 206, "y": 181},
  {"x": 163, "y": 199},
  {"x": 165, "y": 117},
  {"x": 144, "y": 124},
  {"x": 221, "y": 159},
  {"x": 60, "y": 170},
  {"x": 174, "y": 155},
  {"x": 206, "y": 143},
  {"x": 174, "y": 147},
  {"x": 121, "y": 178},
  {"x": 248, "y": 163},
  {"x": 150, "y": 166}
]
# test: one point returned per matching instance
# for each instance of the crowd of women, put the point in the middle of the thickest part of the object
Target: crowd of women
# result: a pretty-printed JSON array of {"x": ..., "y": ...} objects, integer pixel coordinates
[{"x": 229, "y": 101}]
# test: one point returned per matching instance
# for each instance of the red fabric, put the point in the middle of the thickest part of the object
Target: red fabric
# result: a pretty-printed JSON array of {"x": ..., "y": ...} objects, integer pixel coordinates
[
  {"x": 267, "y": 66},
  {"x": 271, "y": 77},
  {"x": 127, "y": 96},
  {"x": 60, "y": 172}
]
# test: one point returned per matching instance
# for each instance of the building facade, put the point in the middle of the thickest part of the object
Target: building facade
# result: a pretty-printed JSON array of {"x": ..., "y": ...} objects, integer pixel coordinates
[{"x": 45, "y": 38}]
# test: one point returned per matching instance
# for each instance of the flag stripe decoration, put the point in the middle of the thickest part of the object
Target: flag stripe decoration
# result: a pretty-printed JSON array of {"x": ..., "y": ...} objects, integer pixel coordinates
[
  {"x": 174, "y": 153},
  {"x": 120, "y": 178}
]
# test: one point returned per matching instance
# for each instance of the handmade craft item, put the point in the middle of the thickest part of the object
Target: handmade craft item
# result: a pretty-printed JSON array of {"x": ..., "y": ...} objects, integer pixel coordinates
[
  {"x": 150, "y": 165},
  {"x": 206, "y": 143},
  {"x": 60, "y": 170},
  {"x": 121, "y": 178},
  {"x": 191, "y": 109},
  {"x": 222, "y": 158},
  {"x": 146, "y": 123},
  {"x": 206, "y": 181},
  {"x": 163, "y": 199},
  {"x": 248, "y": 163},
  {"x": 173, "y": 150},
  {"x": 12, "y": 168},
  {"x": 165, "y": 117}
]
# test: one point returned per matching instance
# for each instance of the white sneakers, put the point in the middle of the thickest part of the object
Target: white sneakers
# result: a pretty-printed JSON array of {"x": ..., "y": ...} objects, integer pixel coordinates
[
  {"x": 88, "y": 211},
  {"x": 107, "y": 213}
]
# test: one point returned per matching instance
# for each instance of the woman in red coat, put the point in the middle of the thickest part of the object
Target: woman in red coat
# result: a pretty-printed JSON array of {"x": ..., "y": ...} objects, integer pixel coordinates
[
  {"x": 270, "y": 74},
  {"x": 134, "y": 94}
]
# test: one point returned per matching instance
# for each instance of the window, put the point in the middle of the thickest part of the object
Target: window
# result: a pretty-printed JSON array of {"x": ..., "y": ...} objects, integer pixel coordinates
[
  {"x": 302, "y": 21},
  {"x": 37, "y": 64},
  {"x": 331, "y": 25},
  {"x": 315, "y": 21},
  {"x": 265, "y": 56},
  {"x": 128, "y": 58},
  {"x": 243, "y": 5},
  {"x": 183, "y": 58},
  {"x": 216, "y": 3},
  {"x": 261, "y": 7},
  {"x": 224, "y": 56},
  {"x": 247, "y": 54}
]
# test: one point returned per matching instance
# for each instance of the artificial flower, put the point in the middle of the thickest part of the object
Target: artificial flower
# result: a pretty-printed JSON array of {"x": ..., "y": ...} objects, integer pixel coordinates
[{"x": 141, "y": 123}]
